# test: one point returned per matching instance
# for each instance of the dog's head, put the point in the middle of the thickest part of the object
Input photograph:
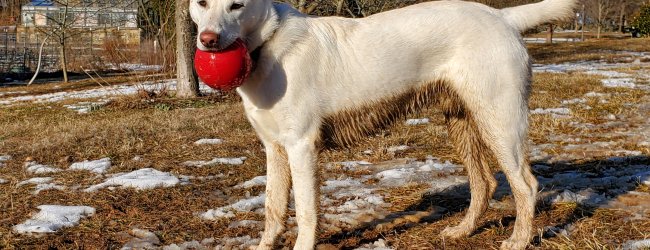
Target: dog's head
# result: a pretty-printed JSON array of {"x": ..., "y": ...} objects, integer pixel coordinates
[{"x": 221, "y": 22}]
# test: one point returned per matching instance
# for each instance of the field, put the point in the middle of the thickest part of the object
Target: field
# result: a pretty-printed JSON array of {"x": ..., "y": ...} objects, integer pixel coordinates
[{"x": 131, "y": 158}]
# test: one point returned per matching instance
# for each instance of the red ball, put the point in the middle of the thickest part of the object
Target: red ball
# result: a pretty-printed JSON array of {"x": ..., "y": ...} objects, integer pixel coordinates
[{"x": 224, "y": 69}]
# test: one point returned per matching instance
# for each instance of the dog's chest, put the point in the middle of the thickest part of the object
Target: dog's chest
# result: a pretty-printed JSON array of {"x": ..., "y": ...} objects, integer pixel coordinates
[{"x": 264, "y": 123}]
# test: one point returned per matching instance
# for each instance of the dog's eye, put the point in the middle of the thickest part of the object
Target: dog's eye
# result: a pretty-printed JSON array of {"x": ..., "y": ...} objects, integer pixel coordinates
[
  {"x": 236, "y": 6},
  {"x": 203, "y": 3}
]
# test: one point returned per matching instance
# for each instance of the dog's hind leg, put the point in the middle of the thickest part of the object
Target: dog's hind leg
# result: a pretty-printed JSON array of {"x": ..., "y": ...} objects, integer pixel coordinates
[
  {"x": 471, "y": 148},
  {"x": 277, "y": 194},
  {"x": 506, "y": 128}
]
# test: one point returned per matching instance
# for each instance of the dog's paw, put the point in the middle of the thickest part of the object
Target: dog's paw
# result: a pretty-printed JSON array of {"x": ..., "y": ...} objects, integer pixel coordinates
[
  {"x": 456, "y": 232},
  {"x": 511, "y": 244}
]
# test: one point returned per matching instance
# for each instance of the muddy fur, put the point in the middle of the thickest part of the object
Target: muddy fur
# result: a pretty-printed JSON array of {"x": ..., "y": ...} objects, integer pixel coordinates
[{"x": 344, "y": 128}]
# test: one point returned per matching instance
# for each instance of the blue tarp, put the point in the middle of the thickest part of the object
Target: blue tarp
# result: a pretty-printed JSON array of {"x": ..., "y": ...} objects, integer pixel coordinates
[{"x": 41, "y": 3}]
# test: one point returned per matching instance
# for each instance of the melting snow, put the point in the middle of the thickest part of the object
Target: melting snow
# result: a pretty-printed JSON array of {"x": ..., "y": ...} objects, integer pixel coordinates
[
  {"x": 3, "y": 181},
  {"x": 86, "y": 107},
  {"x": 377, "y": 245},
  {"x": 555, "y": 112},
  {"x": 637, "y": 244},
  {"x": 574, "y": 101},
  {"x": 399, "y": 148},
  {"x": 246, "y": 223},
  {"x": 5, "y": 158},
  {"x": 35, "y": 168},
  {"x": 257, "y": 181},
  {"x": 245, "y": 205},
  {"x": 53, "y": 217},
  {"x": 619, "y": 82},
  {"x": 142, "y": 239},
  {"x": 208, "y": 141},
  {"x": 585, "y": 197},
  {"x": 242, "y": 242},
  {"x": 104, "y": 92},
  {"x": 215, "y": 161},
  {"x": 145, "y": 178},
  {"x": 595, "y": 94},
  {"x": 193, "y": 245},
  {"x": 98, "y": 166},
  {"x": 414, "y": 122},
  {"x": 42, "y": 184}
]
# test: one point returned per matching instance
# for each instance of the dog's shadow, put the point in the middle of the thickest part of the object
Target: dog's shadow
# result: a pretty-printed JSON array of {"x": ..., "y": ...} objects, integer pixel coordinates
[{"x": 447, "y": 203}]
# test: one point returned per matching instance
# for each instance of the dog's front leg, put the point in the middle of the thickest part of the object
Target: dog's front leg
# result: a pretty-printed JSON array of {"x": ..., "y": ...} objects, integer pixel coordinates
[
  {"x": 277, "y": 194},
  {"x": 302, "y": 161}
]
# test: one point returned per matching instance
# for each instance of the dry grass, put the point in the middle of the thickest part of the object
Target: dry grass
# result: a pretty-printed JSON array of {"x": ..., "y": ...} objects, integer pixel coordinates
[
  {"x": 162, "y": 130},
  {"x": 596, "y": 49}
]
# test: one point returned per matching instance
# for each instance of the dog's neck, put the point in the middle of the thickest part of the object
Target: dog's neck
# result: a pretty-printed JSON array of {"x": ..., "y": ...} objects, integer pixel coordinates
[{"x": 257, "y": 38}]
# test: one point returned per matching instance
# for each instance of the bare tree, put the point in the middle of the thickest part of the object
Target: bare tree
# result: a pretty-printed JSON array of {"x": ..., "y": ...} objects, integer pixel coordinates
[
  {"x": 187, "y": 84},
  {"x": 601, "y": 12},
  {"x": 159, "y": 16},
  {"x": 67, "y": 20}
]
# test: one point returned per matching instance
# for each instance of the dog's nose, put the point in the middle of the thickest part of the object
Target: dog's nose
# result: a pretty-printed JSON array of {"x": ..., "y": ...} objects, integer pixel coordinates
[{"x": 209, "y": 39}]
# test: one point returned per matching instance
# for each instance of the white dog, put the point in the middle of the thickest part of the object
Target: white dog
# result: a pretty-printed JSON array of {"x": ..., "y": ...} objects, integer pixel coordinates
[{"x": 322, "y": 81}]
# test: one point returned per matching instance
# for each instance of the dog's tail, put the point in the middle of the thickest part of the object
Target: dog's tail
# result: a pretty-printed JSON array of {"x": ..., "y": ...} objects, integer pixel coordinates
[{"x": 528, "y": 16}]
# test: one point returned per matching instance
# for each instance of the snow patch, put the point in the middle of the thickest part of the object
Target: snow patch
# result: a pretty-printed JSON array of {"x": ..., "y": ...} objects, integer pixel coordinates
[
  {"x": 257, "y": 181},
  {"x": 142, "y": 239},
  {"x": 555, "y": 112},
  {"x": 206, "y": 141},
  {"x": 245, "y": 205},
  {"x": 146, "y": 178},
  {"x": 636, "y": 244},
  {"x": 86, "y": 107},
  {"x": 35, "y": 168},
  {"x": 42, "y": 184},
  {"x": 585, "y": 197},
  {"x": 574, "y": 101},
  {"x": 193, "y": 245},
  {"x": 333, "y": 185},
  {"x": 215, "y": 161},
  {"x": 246, "y": 223},
  {"x": 619, "y": 82},
  {"x": 595, "y": 94},
  {"x": 3, "y": 181},
  {"x": 98, "y": 166},
  {"x": 414, "y": 122},
  {"x": 104, "y": 92},
  {"x": 54, "y": 217},
  {"x": 377, "y": 245},
  {"x": 243, "y": 242},
  {"x": 400, "y": 148}
]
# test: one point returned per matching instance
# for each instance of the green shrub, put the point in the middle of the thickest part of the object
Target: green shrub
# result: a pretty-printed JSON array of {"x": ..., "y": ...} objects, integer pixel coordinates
[{"x": 642, "y": 21}]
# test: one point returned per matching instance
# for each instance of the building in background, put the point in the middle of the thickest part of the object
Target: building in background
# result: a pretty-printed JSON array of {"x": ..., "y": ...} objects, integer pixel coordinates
[{"x": 91, "y": 20}]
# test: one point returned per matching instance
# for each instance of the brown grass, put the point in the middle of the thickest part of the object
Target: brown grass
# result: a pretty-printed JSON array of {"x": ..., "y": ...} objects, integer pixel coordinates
[
  {"x": 162, "y": 129},
  {"x": 597, "y": 49}
]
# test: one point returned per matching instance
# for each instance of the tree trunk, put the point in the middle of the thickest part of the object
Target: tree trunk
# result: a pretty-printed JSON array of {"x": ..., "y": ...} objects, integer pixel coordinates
[
  {"x": 339, "y": 7},
  {"x": 64, "y": 63},
  {"x": 600, "y": 18},
  {"x": 187, "y": 84},
  {"x": 549, "y": 36},
  {"x": 582, "y": 26},
  {"x": 64, "y": 66},
  {"x": 621, "y": 18}
]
